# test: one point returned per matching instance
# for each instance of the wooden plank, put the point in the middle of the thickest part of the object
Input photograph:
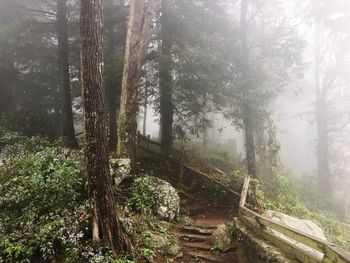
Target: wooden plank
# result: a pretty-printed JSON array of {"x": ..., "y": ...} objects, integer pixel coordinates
[
  {"x": 288, "y": 247},
  {"x": 213, "y": 180},
  {"x": 336, "y": 254},
  {"x": 146, "y": 139},
  {"x": 149, "y": 151},
  {"x": 244, "y": 191},
  {"x": 303, "y": 238},
  {"x": 331, "y": 251}
]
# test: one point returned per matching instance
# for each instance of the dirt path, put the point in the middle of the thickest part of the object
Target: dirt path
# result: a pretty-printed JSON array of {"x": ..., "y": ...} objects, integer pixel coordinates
[{"x": 196, "y": 235}]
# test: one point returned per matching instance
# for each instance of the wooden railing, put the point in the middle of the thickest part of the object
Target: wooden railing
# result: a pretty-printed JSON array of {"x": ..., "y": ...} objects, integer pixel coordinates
[
  {"x": 148, "y": 146},
  {"x": 144, "y": 143},
  {"x": 305, "y": 248},
  {"x": 312, "y": 249}
]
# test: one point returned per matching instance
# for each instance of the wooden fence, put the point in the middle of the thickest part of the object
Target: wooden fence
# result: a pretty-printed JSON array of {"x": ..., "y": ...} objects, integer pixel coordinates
[
  {"x": 305, "y": 248},
  {"x": 145, "y": 144},
  {"x": 148, "y": 147}
]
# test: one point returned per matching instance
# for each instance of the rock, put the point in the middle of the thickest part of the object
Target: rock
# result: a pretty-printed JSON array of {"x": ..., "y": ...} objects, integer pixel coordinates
[
  {"x": 121, "y": 169},
  {"x": 221, "y": 238},
  {"x": 124, "y": 166},
  {"x": 174, "y": 250},
  {"x": 187, "y": 221},
  {"x": 158, "y": 241},
  {"x": 165, "y": 203},
  {"x": 302, "y": 225},
  {"x": 164, "y": 224}
]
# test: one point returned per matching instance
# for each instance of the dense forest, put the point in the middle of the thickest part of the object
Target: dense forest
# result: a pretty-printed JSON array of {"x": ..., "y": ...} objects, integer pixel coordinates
[{"x": 126, "y": 123}]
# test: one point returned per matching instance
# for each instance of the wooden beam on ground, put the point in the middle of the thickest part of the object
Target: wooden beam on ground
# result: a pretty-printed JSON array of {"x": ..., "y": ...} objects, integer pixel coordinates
[
  {"x": 211, "y": 179},
  {"x": 244, "y": 192},
  {"x": 288, "y": 247},
  {"x": 331, "y": 251}
]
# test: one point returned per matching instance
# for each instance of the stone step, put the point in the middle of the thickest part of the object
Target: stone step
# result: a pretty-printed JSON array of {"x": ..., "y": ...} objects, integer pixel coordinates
[
  {"x": 202, "y": 226},
  {"x": 192, "y": 237},
  {"x": 197, "y": 245},
  {"x": 204, "y": 256},
  {"x": 198, "y": 230},
  {"x": 193, "y": 211}
]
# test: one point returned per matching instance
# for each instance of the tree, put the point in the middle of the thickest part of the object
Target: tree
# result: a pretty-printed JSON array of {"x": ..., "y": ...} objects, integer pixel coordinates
[
  {"x": 7, "y": 69},
  {"x": 323, "y": 170},
  {"x": 166, "y": 107},
  {"x": 115, "y": 36},
  {"x": 105, "y": 221},
  {"x": 137, "y": 41},
  {"x": 245, "y": 90},
  {"x": 330, "y": 75},
  {"x": 68, "y": 134}
]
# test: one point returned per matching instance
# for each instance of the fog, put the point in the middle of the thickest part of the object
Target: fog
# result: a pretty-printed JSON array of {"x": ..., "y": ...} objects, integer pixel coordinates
[{"x": 240, "y": 89}]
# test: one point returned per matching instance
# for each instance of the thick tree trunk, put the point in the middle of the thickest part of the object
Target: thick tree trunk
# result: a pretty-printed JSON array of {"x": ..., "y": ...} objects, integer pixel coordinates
[
  {"x": 247, "y": 114},
  {"x": 323, "y": 170},
  {"x": 137, "y": 41},
  {"x": 67, "y": 128},
  {"x": 165, "y": 82},
  {"x": 95, "y": 116}
]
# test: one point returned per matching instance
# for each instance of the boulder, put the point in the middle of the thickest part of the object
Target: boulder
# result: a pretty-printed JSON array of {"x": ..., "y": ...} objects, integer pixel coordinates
[
  {"x": 121, "y": 169},
  {"x": 150, "y": 195},
  {"x": 165, "y": 203},
  {"x": 158, "y": 241},
  {"x": 174, "y": 250},
  {"x": 222, "y": 237},
  {"x": 187, "y": 221},
  {"x": 303, "y": 225}
]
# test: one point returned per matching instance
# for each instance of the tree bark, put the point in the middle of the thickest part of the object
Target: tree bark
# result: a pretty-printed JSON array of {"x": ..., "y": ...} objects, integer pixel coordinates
[
  {"x": 165, "y": 82},
  {"x": 67, "y": 128},
  {"x": 247, "y": 114},
  {"x": 137, "y": 41},
  {"x": 95, "y": 118}
]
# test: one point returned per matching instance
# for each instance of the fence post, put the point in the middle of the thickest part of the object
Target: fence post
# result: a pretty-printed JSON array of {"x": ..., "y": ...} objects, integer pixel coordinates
[{"x": 244, "y": 193}]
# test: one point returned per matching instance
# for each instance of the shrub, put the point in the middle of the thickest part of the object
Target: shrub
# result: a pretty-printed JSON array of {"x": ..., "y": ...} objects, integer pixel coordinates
[
  {"x": 15, "y": 145},
  {"x": 42, "y": 197}
]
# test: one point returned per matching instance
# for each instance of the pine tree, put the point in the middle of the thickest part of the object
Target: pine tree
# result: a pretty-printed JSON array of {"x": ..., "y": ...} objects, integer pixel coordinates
[{"x": 105, "y": 222}]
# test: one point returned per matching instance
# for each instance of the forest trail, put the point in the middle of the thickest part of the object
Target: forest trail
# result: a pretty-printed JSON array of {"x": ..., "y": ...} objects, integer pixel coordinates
[{"x": 196, "y": 235}]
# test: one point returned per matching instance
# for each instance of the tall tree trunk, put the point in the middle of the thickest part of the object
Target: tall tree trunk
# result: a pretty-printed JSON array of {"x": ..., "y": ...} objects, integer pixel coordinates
[
  {"x": 95, "y": 116},
  {"x": 114, "y": 75},
  {"x": 323, "y": 170},
  {"x": 110, "y": 83},
  {"x": 247, "y": 113},
  {"x": 137, "y": 41},
  {"x": 8, "y": 72},
  {"x": 145, "y": 105},
  {"x": 67, "y": 132},
  {"x": 165, "y": 82}
]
